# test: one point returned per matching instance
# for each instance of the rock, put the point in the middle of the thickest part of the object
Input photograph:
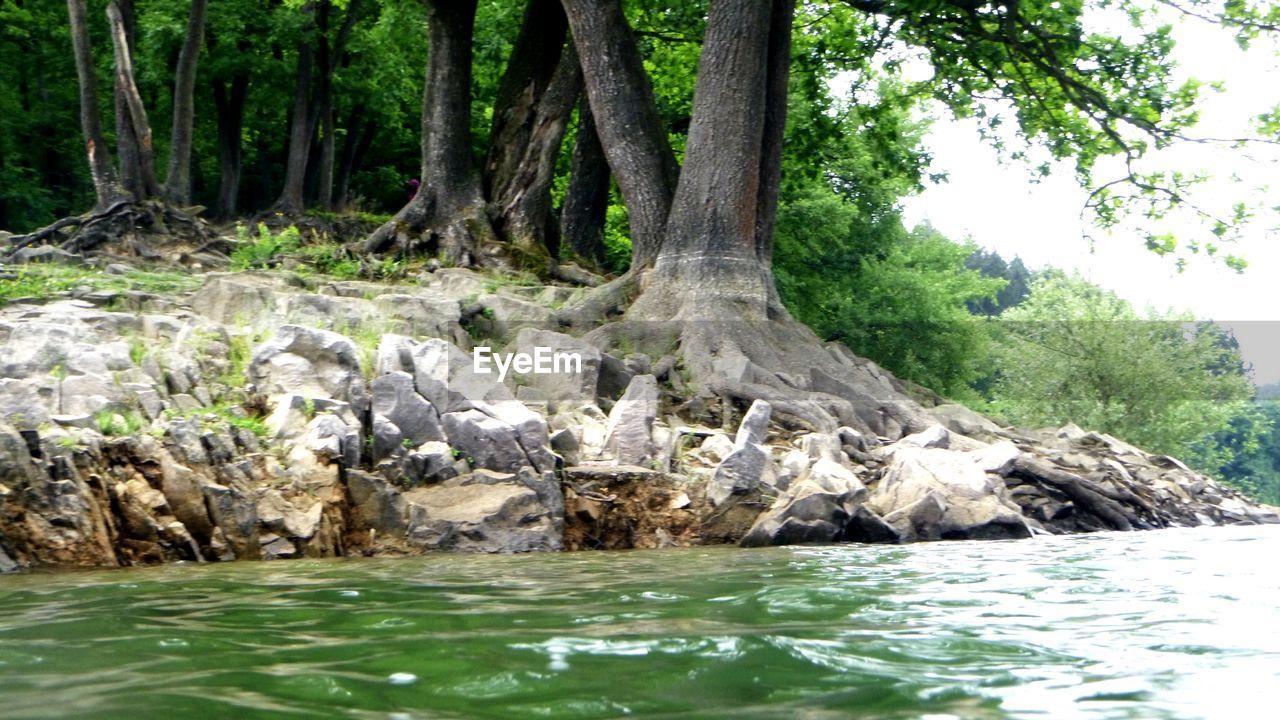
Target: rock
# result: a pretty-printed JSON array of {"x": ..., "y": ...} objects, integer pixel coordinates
[
  {"x": 865, "y": 526},
  {"x": 806, "y": 513},
  {"x": 531, "y": 431},
  {"x": 307, "y": 362},
  {"x": 423, "y": 313},
  {"x": 235, "y": 513},
  {"x": 747, "y": 471},
  {"x": 755, "y": 425},
  {"x": 280, "y": 516},
  {"x": 274, "y": 547},
  {"x": 629, "y": 437},
  {"x": 997, "y": 458},
  {"x": 962, "y": 420},
  {"x": 820, "y": 445},
  {"x": 716, "y": 447},
  {"x": 45, "y": 254},
  {"x": 387, "y": 439},
  {"x": 488, "y": 512},
  {"x": 375, "y": 503},
  {"x": 241, "y": 299},
  {"x": 330, "y": 440},
  {"x": 396, "y": 398},
  {"x": 932, "y": 494},
  {"x": 564, "y": 390},
  {"x": 615, "y": 377},
  {"x": 503, "y": 315},
  {"x": 486, "y": 441},
  {"x": 934, "y": 436},
  {"x": 395, "y": 354}
]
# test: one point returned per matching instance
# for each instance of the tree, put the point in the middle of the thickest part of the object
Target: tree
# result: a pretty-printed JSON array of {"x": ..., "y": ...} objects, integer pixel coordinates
[
  {"x": 105, "y": 183},
  {"x": 1074, "y": 352},
  {"x": 177, "y": 183}
]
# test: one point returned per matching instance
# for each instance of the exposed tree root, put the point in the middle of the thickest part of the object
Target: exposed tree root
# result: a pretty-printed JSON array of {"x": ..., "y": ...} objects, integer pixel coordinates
[
  {"x": 150, "y": 229},
  {"x": 747, "y": 347}
]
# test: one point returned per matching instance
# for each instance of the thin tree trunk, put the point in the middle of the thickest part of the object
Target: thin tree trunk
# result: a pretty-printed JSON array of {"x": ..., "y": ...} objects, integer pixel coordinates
[
  {"x": 229, "y": 105},
  {"x": 291, "y": 200},
  {"x": 535, "y": 99},
  {"x": 587, "y": 198},
  {"x": 135, "y": 133},
  {"x": 177, "y": 183},
  {"x": 448, "y": 213},
  {"x": 106, "y": 186},
  {"x": 353, "y": 149},
  {"x": 627, "y": 120},
  {"x": 330, "y": 59}
]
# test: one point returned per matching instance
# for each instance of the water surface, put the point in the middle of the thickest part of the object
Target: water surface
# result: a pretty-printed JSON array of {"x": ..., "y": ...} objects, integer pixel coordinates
[{"x": 1170, "y": 624}]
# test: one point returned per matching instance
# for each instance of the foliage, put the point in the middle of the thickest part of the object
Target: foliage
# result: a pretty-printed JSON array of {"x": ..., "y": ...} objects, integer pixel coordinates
[
  {"x": 260, "y": 248},
  {"x": 42, "y": 281},
  {"x": 1015, "y": 274},
  {"x": 1073, "y": 352},
  {"x": 113, "y": 424}
]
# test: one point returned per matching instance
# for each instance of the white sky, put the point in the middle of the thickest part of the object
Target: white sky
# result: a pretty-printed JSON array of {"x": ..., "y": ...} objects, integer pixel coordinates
[{"x": 1000, "y": 208}]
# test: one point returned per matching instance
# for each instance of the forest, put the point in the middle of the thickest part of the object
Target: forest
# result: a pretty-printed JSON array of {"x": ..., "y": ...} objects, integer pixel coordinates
[{"x": 692, "y": 160}]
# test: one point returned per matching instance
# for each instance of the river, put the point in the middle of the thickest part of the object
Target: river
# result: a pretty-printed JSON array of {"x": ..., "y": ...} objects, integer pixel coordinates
[{"x": 1168, "y": 624}]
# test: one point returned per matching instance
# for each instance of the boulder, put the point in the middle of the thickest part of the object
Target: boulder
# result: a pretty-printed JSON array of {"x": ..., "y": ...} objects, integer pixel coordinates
[
  {"x": 486, "y": 441},
  {"x": 563, "y": 390},
  {"x": 629, "y": 436},
  {"x": 933, "y": 494},
  {"x": 755, "y": 425},
  {"x": 747, "y": 471},
  {"x": 488, "y": 512},
  {"x": 396, "y": 398},
  {"x": 236, "y": 515},
  {"x": 308, "y": 362},
  {"x": 503, "y": 315},
  {"x": 375, "y": 503}
]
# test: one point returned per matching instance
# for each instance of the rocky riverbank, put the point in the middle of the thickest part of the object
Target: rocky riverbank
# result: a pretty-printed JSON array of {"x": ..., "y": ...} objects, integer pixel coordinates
[{"x": 278, "y": 415}]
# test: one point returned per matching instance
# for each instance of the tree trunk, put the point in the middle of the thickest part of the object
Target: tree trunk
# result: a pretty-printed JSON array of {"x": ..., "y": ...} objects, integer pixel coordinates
[
  {"x": 587, "y": 198},
  {"x": 301, "y": 127},
  {"x": 448, "y": 213},
  {"x": 330, "y": 56},
  {"x": 177, "y": 183},
  {"x": 535, "y": 100},
  {"x": 106, "y": 186},
  {"x": 137, "y": 156},
  {"x": 627, "y": 120},
  {"x": 230, "y": 108},
  {"x": 775, "y": 125},
  {"x": 353, "y": 149}
]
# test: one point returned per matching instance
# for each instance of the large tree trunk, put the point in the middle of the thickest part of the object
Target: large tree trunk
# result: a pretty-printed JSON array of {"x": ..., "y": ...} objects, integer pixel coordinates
[
  {"x": 711, "y": 292},
  {"x": 448, "y": 213},
  {"x": 586, "y": 200},
  {"x": 531, "y": 112},
  {"x": 177, "y": 183},
  {"x": 229, "y": 104},
  {"x": 106, "y": 186},
  {"x": 301, "y": 125},
  {"x": 133, "y": 128},
  {"x": 627, "y": 120}
]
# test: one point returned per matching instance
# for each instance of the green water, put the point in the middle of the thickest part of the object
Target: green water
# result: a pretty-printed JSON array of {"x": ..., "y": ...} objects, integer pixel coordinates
[{"x": 1142, "y": 625}]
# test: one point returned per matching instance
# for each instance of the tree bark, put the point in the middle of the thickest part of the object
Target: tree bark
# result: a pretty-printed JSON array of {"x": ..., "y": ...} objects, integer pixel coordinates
[
  {"x": 531, "y": 113},
  {"x": 229, "y": 104},
  {"x": 448, "y": 213},
  {"x": 587, "y": 198},
  {"x": 775, "y": 125},
  {"x": 177, "y": 183},
  {"x": 627, "y": 120},
  {"x": 106, "y": 185},
  {"x": 301, "y": 125},
  {"x": 137, "y": 155}
]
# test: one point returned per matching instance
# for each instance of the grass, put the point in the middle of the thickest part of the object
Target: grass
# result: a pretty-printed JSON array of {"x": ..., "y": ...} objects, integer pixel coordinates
[
  {"x": 113, "y": 424},
  {"x": 44, "y": 280},
  {"x": 229, "y": 413},
  {"x": 260, "y": 248}
]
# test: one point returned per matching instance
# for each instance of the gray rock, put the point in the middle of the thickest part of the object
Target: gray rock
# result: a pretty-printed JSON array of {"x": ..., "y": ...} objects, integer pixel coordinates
[
  {"x": 274, "y": 547},
  {"x": 564, "y": 390},
  {"x": 395, "y": 354},
  {"x": 308, "y": 362},
  {"x": 419, "y": 314},
  {"x": 387, "y": 439},
  {"x": 615, "y": 377},
  {"x": 962, "y": 420},
  {"x": 332, "y": 440},
  {"x": 45, "y": 254},
  {"x": 396, "y": 398},
  {"x": 932, "y": 494},
  {"x": 716, "y": 447},
  {"x": 504, "y": 315},
  {"x": 865, "y": 526},
  {"x": 375, "y": 503},
  {"x": 235, "y": 513},
  {"x": 815, "y": 509},
  {"x": 531, "y": 431},
  {"x": 629, "y": 437},
  {"x": 242, "y": 299},
  {"x": 755, "y": 425},
  {"x": 486, "y": 441},
  {"x": 747, "y": 471},
  {"x": 489, "y": 512}
]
